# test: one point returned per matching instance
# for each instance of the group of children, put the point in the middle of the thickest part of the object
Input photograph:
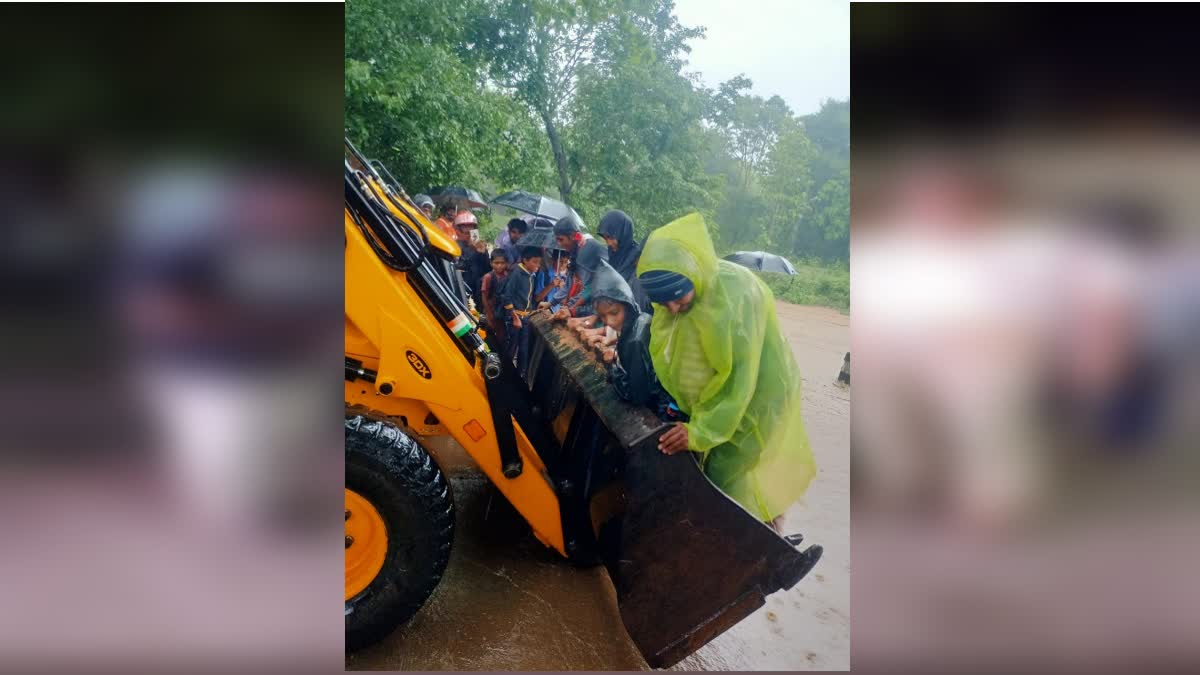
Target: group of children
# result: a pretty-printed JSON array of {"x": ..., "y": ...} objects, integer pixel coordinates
[
  {"x": 591, "y": 285},
  {"x": 681, "y": 332},
  {"x": 521, "y": 279},
  {"x": 576, "y": 283}
]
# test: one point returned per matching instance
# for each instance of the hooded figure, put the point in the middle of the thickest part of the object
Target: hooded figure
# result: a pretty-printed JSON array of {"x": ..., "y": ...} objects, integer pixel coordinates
[
  {"x": 587, "y": 259},
  {"x": 568, "y": 225},
  {"x": 424, "y": 203},
  {"x": 619, "y": 226},
  {"x": 727, "y": 365},
  {"x": 545, "y": 273},
  {"x": 633, "y": 372}
]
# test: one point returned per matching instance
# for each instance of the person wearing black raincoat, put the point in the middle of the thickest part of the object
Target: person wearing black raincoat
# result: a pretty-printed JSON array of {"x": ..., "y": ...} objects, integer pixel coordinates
[
  {"x": 630, "y": 368},
  {"x": 616, "y": 228}
]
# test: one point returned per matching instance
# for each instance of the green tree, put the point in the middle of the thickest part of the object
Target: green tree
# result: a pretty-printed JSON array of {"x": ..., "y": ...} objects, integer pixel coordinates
[
  {"x": 537, "y": 50},
  {"x": 413, "y": 99},
  {"x": 829, "y": 128},
  {"x": 748, "y": 131},
  {"x": 788, "y": 186},
  {"x": 533, "y": 49},
  {"x": 831, "y": 211},
  {"x": 637, "y": 128},
  {"x": 827, "y": 235},
  {"x": 589, "y": 98}
]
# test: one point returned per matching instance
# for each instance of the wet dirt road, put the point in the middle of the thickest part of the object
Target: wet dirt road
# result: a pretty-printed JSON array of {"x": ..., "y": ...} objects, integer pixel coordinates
[
  {"x": 807, "y": 627},
  {"x": 508, "y": 603}
]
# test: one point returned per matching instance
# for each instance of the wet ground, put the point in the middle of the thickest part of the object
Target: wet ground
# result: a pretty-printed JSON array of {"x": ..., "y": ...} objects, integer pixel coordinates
[
  {"x": 807, "y": 627},
  {"x": 508, "y": 603}
]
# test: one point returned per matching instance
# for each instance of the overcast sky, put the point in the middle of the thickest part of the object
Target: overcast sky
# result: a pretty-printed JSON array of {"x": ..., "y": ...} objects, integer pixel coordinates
[{"x": 798, "y": 49}]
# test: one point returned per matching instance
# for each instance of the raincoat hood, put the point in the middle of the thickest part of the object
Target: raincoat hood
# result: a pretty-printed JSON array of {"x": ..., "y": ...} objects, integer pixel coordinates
[
  {"x": 727, "y": 365},
  {"x": 684, "y": 247},
  {"x": 619, "y": 226},
  {"x": 609, "y": 284},
  {"x": 568, "y": 225},
  {"x": 587, "y": 260}
]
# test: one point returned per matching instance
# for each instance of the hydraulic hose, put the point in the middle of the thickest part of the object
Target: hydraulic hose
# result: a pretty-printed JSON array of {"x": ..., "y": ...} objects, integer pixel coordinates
[{"x": 404, "y": 250}]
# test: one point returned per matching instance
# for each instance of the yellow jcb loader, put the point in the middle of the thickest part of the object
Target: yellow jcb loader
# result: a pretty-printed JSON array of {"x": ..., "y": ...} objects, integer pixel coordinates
[{"x": 580, "y": 465}]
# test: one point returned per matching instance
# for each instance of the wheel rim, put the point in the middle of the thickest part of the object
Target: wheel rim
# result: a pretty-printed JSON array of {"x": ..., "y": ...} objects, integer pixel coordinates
[{"x": 366, "y": 543}]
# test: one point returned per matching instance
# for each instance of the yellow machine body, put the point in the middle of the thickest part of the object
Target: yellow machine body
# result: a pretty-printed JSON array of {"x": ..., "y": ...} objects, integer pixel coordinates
[{"x": 423, "y": 381}]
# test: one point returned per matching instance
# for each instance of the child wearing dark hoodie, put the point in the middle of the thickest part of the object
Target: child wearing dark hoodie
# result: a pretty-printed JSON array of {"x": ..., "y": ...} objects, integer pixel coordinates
[
  {"x": 518, "y": 300},
  {"x": 629, "y": 365}
]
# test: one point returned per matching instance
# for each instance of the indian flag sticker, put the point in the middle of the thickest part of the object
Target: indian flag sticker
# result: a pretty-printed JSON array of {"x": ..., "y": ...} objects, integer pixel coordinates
[{"x": 460, "y": 325}]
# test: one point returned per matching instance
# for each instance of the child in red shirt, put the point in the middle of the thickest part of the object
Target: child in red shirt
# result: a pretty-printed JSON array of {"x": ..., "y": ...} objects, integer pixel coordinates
[{"x": 490, "y": 288}]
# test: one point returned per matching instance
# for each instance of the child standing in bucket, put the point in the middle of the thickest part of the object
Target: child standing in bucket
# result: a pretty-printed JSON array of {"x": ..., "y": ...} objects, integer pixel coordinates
[
  {"x": 629, "y": 365},
  {"x": 518, "y": 301}
]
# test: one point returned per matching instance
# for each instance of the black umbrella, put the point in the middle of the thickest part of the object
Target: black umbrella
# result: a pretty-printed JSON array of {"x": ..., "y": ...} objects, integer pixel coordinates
[
  {"x": 762, "y": 261},
  {"x": 461, "y": 197},
  {"x": 535, "y": 204},
  {"x": 541, "y": 237}
]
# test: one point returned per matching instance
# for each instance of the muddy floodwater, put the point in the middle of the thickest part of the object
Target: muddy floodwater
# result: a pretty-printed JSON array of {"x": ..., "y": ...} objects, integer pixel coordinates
[{"x": 508, "y": 603}]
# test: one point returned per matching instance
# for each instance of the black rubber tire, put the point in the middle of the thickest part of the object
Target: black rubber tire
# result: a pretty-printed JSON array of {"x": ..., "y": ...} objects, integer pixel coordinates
[{"x": 401, "y": 480}]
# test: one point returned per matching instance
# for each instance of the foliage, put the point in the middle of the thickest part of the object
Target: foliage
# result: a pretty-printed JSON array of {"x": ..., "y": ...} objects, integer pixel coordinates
[
  {"x": 588, "y": 101},
  {"x": 750, "y": 125},
  {"x": 823, "y": 284},
  {"x": 637, "y": 134},
  {"x": 793, "y": 197},
  {"x": 788, "y": 185},
  {"x": 411, "y": 101},
  {"x": 545, "y": 51}
]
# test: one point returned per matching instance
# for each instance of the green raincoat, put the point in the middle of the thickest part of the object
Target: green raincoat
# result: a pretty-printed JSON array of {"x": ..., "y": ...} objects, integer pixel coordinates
[{"x": 728, "y": 366}]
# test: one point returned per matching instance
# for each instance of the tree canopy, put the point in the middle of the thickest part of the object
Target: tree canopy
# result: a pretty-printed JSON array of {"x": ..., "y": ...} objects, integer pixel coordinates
[{"x": 591, "y": 101}]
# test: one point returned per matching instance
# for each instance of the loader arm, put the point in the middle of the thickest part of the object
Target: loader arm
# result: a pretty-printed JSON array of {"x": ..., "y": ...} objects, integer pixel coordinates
[{"x": 418, "y": 369}]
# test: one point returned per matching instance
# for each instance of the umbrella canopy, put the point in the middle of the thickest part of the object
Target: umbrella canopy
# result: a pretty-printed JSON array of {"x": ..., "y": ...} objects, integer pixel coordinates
[
  {"x": 762, "y": 261},
  {"x": 534, "y": 204},
  {"x": 463, "y": 198},
  {"x": 541, "y": 237}
]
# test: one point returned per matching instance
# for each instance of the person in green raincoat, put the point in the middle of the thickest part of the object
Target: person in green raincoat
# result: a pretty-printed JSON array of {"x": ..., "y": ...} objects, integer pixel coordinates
[{"x": 718, "y": 350}]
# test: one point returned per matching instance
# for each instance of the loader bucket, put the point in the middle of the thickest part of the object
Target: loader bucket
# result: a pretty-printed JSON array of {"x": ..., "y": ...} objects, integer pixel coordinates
[{"x": 687, "y": 562}]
